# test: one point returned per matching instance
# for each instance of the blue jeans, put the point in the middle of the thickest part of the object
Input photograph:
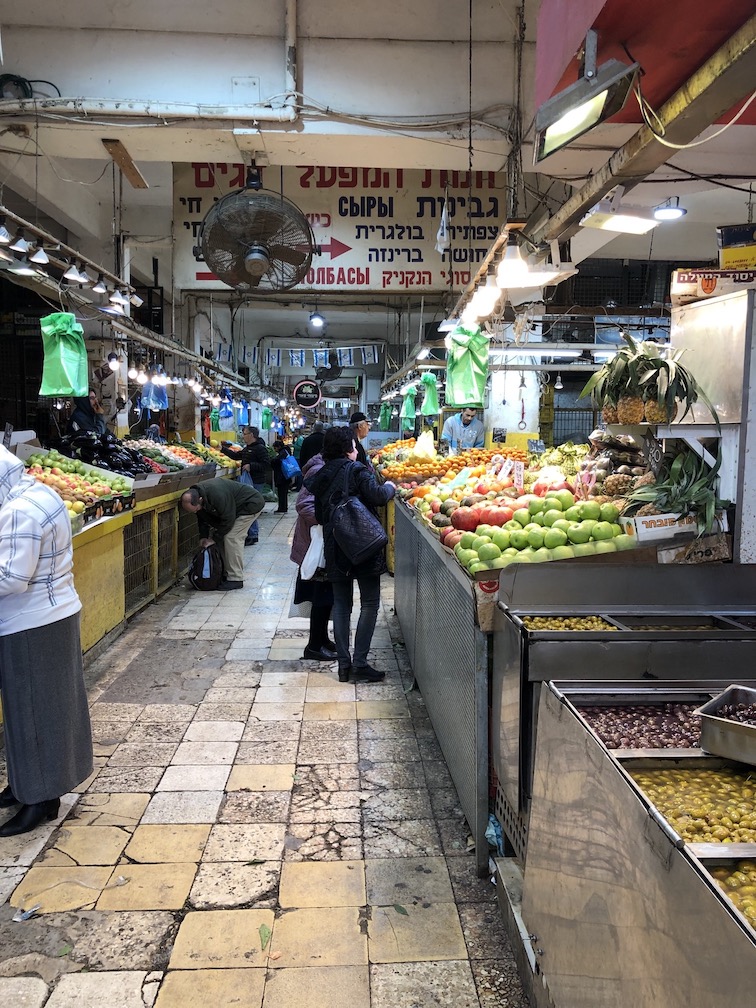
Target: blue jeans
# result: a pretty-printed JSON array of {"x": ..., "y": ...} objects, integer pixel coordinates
[
  {"x": 253, "y": 531},
  {"x": 343, "y": 597}
]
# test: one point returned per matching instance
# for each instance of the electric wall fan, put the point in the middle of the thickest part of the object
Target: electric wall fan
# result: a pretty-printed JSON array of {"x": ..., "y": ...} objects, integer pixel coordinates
[
  {"x": 331, "y": 372},
  {"x": 256, "y": 239}
]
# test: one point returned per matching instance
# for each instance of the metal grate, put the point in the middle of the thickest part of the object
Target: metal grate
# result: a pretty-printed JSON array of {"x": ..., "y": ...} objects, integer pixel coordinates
[
  {"x": 450, "y": 661},
  {"x": 511, "y": 823},
  {"x": 137, "y": 548},
  {"x": 187, "y": 539},
  {"x": 166, "y": 547},
  {"x": 572, "y": 423}
]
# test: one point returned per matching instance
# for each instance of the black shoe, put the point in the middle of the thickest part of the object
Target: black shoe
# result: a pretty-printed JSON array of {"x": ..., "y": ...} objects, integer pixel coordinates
[
  {"x": 319, "y": 654},
  {"x": 230, "y": 585},
  {"x": 281, "y": 512},
  {"x": 250, "y": 542},
  {"x": 29, "y": 817},
  {"x": 367, "y": 672},
  {"x": 7, "y": 798},
  {"x": 344, "y": 672},
  {"x": 330, "y": 645}
]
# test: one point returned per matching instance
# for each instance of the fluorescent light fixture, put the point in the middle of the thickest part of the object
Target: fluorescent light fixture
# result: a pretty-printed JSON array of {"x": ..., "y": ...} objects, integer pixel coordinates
[
  {"x": 20, "y": 244},
  {"x": 100, "y": 287},
  {"x": 611, "y": 215},
  {"x": 532, "y": 350},
  {"x": 423, "y": 353},
  {"x": 597, "y": 95},
  {"x": 670, "y": 210},
  {"x": 39, "y": 256}
]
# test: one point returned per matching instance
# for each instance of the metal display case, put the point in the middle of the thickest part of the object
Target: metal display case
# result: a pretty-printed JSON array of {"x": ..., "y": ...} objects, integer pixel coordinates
[
  {"x": 675, "y": 627},
  {"x": 615, "y": 908}
]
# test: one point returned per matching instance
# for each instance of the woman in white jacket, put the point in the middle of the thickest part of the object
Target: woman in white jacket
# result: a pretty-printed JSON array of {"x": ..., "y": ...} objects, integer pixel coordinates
[{"x": 48, "y": 740}]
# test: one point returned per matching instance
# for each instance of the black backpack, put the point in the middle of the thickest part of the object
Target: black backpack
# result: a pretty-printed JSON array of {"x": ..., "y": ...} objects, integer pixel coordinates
[{"x": 207, "y": 569}]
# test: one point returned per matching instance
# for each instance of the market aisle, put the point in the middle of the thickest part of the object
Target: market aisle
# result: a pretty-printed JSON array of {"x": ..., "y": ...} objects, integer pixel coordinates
[{"x": 285, "y": 839}]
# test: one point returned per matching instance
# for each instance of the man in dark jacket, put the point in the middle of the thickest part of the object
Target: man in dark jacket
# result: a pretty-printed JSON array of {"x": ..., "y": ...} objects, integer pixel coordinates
[
  {"x": 224, "y": 508},
  {"x": 360, "y": 428},
  {"x": 312, "y": 444},
  {"x": 255, "y": 461}
]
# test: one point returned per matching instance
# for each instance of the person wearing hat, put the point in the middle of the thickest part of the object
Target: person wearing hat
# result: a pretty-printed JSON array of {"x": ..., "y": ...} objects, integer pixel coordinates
[{"x": 360, "y": 428}]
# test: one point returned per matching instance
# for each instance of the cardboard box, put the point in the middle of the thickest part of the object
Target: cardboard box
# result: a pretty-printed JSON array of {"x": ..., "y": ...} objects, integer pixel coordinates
[
  {"x": 699, "y": 284},
  {"x": 707, "y": 549},
  {"x": 665, "y": 526}
]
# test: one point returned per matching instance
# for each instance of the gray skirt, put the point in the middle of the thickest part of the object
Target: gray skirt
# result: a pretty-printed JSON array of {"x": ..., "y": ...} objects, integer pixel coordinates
[{"x": 48, "y": 739}]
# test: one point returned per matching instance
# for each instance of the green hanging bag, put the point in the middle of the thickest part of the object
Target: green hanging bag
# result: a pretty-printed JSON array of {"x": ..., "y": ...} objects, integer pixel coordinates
[
  {"x": 65, "y": 371},
  {"x": 466, "y": 366}
]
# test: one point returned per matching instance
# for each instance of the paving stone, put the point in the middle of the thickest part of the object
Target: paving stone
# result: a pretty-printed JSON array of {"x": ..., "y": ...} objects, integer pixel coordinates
[
  {"x": 255, "y": 806},
  {"x": 329, "y": 710},
  {"x": 61, "y": 888},
  {"x": 455, "y": 836},
  {"x": 164, "y": 843},
  {"x": 315, "y": 778},
  {"x": 323, "y": 884},
  {"x": 230, "y": 694},
  {"x": 468, "y": 888},
  {"x": 382, "y": 709},
  {"x": 110, "y": 732},
  {"x": 267, "y": 752},
  {"x": 397, "y": 803},
  {"x": 124, "y": 989},
  {"x": 412, "y": 838},
  {"x": 423, "y": 985},
  {"x": 125, "y": 940},
  {"x": 170, "y": 713},
  {"x": 498, "y": 983},
  {"x": 126, "y": 779},
  {"x": 281, "y": 694},
  {"x": 318, "y": 731},
  {"x": 391, "y": 775},
  {"x": 204, "y": 753},
  {"x": 276, "y": 712},
  {"x": 9, "y": 880},
  {"x": 270, "y": 731},
  {"x": 109, "y": 809},
  {"x": 220, "y": 939},
  {"x": 298, "y": 935},
  {"x": 344, "y": 806},
  {"x": 389, "y": 750},
  {"x": 214, "y": 731},
  {"x": 328, "y": 751},
  {"x": 385, "y": 728},
  {"x": 150, "y": 887},
  {"x": 85, "y": 845},
  {"x": 102, "y": 711},
  {"x": 484, "y": 931},
  {"x": 199, "y": 988},
  {"x": 261, "y": 777},
  {"x": 258, "y": 841},
  {"x": 323, "y": 841},
  {"x": 183, "y": 807},
  {"x": 430, "y": 932},
  {"x": 156, "y": 731},
  {"x": 227, "y": 884},
  {"x": 276, "y": 678},
  {"x": 23, "y": 992},
  {"x": 143, "y": 754},
  {"x": 195, "y": 778},
  {"x": 407, "y": 881},
  {"x": 318, "y": 987}
]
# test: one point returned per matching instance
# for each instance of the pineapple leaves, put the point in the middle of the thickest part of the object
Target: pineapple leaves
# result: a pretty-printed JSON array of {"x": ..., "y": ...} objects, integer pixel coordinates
[{"x": 685, "y": 485}]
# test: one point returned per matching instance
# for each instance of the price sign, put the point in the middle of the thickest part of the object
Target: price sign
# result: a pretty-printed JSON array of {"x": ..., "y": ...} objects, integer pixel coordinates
[
  {"x": 519, "y": 475},
  {"x": 536, "y": 446},
  {"x": 506, "y": 468},
  {"x": 7, "y": 435},
  {"x": 654, "y": 452}
]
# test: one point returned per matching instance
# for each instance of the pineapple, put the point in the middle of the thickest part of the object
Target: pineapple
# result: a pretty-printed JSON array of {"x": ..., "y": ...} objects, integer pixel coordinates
[
  {"x": 617, "y": 485},
  {"x": 647, "y": 509},
  {"x": 647, "y": 479},
  {"x": 630, "y": 409},
  {"x": 609, "y": 413},
  {"x": 656, "y": 414}
]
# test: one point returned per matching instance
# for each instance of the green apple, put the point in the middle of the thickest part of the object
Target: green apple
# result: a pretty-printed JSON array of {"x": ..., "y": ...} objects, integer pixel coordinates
[
  {"x": 589, "y": 523},
  {"x": 522, "y": 515},
  {"x": 566, "y": 497},
  {"x": 522, "y": 558},
  {"x": 536, "y": 505},
  {"x": 488, "y": 551},
  {"x": 584, "y": 549},
  {"x": 609, "y": 512},
  {"x": 467, "y": 556},
  {"x": 572, "y": 513},
  {"x": 542, "y": 555},
  {"x": 479, "y": 541},
  {"x": 475, "y": 568},
  {"x": 552, "y": 503},
  {"x": 467, "y": 539},
  {"x": 554, "y": 537},
  {"x": 512, "y": 525},
  {"x": 562, "y": 523},
  {"x": 590, "y": 509},
  {"x": 624, "y": 542},
  {"x": 537, "y": 519},
  {"x": 602, "y": 530},
  {"x": 484, "y": 530},
  {"x": 551, "y": 516},
  {"x": 501, "y": 538},
  {"x": 563, "y": 553},
  {"x": 535, "y": 538},
  {"x": 518, "y": 539},
  {"x": 510, "y": 551},
  {"x": 605, "y": 546},
  {"x": 578, "y": 534},
  {"x": 616, "y": 529},
  {"x": 499, "y": 562}
]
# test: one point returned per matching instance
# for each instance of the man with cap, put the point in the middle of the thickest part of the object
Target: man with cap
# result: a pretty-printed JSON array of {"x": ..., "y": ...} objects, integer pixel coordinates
[
  {"x": 361, "y": 428},
  {"x": 312, "y": 444}
]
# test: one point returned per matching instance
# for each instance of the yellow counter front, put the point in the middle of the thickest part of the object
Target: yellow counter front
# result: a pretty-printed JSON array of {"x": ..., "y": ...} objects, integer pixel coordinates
[{"x": 98, "y": 576}]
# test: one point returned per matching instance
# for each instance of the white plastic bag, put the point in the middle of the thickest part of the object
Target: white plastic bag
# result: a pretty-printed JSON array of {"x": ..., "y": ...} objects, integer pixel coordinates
[{"x": 314, "y": 558}]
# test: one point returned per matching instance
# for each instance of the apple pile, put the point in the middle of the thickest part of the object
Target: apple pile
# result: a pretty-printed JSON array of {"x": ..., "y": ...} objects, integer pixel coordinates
[
  {"x": 533, "y": 529},
  {"x": 73, "y": 481}
]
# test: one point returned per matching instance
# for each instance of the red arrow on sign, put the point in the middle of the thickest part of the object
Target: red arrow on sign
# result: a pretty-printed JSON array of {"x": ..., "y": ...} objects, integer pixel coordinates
[{"x": 335, "y": 247}]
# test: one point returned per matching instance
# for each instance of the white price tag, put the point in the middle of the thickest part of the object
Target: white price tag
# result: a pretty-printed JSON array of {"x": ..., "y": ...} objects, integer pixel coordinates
[
  {"x": 507, "y": 468},
  {"x": 519, "y": 475}
]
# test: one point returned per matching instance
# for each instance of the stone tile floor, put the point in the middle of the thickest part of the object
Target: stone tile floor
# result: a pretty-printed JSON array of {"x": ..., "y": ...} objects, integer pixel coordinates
[{"x": 255, "y": 833}]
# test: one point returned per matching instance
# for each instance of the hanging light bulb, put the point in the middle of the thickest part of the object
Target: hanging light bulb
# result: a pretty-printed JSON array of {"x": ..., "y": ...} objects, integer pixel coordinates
[
  {"x": 84, "y": 278},
  {"x": 20, "y": 244},
  {"x": 142, "y": 377},
  {"x": 132, "y": 373},
  {"x": 100, "y": 287},
  {"x": 514, "y": 271},
  {"x": 113, "y": 363},
  {"x": 316, "y": 320},
  {"x": 5, "y": 255},
  {"x": 118, "y": 297},
  {"x": 191, "y": 382},
  {"x": 72, "y": 273},
  {"x": 5, "y": 235},
  {"x": 558, "y": 383},
  {"x": 39, "y": 256},
  {"x": 22, "y": 267}
]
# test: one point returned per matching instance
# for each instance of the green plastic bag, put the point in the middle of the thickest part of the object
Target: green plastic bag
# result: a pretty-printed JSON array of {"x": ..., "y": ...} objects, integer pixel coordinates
[
  {"x": 384, "y": 418},
  {"x": 265, "y": 418},
  {"x": 214, "y": 419},
  {"x": 65, "y": 371},
  {"x": 408, "y": 412},
  {"x": 466, "y": 366},
  {"x": 430, "y": 399}
]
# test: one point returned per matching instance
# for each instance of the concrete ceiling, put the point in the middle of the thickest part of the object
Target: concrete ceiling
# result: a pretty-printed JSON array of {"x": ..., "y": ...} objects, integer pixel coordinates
[{"x": 391, "y": 60}]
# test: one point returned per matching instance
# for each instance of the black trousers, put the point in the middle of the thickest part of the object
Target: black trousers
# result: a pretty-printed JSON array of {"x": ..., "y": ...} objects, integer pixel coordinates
[{"x": 282, "y": 489}]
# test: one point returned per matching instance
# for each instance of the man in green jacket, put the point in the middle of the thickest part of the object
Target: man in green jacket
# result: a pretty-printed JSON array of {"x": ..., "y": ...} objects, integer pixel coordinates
[{"x": 224, "y": 509}]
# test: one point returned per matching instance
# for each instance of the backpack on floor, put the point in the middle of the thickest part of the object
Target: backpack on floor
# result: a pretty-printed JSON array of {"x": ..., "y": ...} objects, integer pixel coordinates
[{"x": 207, "y": 569}]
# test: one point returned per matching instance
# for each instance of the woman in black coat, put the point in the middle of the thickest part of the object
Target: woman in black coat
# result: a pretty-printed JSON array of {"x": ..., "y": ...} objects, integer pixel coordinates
[
  {"x": 339, "y": 450},
  {"x": 281, "y": 481}
]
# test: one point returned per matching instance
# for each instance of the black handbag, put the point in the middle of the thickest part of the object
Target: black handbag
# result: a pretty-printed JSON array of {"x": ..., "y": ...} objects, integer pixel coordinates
[{"x": 356, "y": 530}]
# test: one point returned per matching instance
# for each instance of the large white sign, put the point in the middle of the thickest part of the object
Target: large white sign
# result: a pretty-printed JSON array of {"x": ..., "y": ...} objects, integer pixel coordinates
[{"x": 376, "y": 229}]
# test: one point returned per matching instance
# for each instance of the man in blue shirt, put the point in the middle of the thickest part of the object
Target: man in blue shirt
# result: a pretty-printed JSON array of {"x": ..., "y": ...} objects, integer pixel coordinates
[{"x": 463, "y": 431}]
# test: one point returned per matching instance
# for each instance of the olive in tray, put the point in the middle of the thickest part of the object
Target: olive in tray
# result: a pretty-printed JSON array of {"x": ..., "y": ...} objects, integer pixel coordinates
[{"x": 645, "y": 726}]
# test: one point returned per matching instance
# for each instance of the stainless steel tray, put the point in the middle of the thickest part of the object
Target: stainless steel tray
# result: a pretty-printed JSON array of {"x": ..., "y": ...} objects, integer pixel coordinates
[{"x": 724, "y": 737}]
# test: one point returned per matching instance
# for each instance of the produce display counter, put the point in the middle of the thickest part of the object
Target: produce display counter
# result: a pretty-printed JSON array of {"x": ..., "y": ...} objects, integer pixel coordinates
[
  {"x": 614, "y": 907},
  {"x": 99, "y": 577}
]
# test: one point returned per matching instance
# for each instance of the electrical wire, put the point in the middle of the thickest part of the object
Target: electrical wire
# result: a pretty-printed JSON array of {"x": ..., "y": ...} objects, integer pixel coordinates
[{"x": 648, "y": 114}]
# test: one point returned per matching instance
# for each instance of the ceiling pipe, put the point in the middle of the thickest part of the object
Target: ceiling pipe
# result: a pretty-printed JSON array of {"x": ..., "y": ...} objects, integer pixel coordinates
[{"x": 129, "y": 108}]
